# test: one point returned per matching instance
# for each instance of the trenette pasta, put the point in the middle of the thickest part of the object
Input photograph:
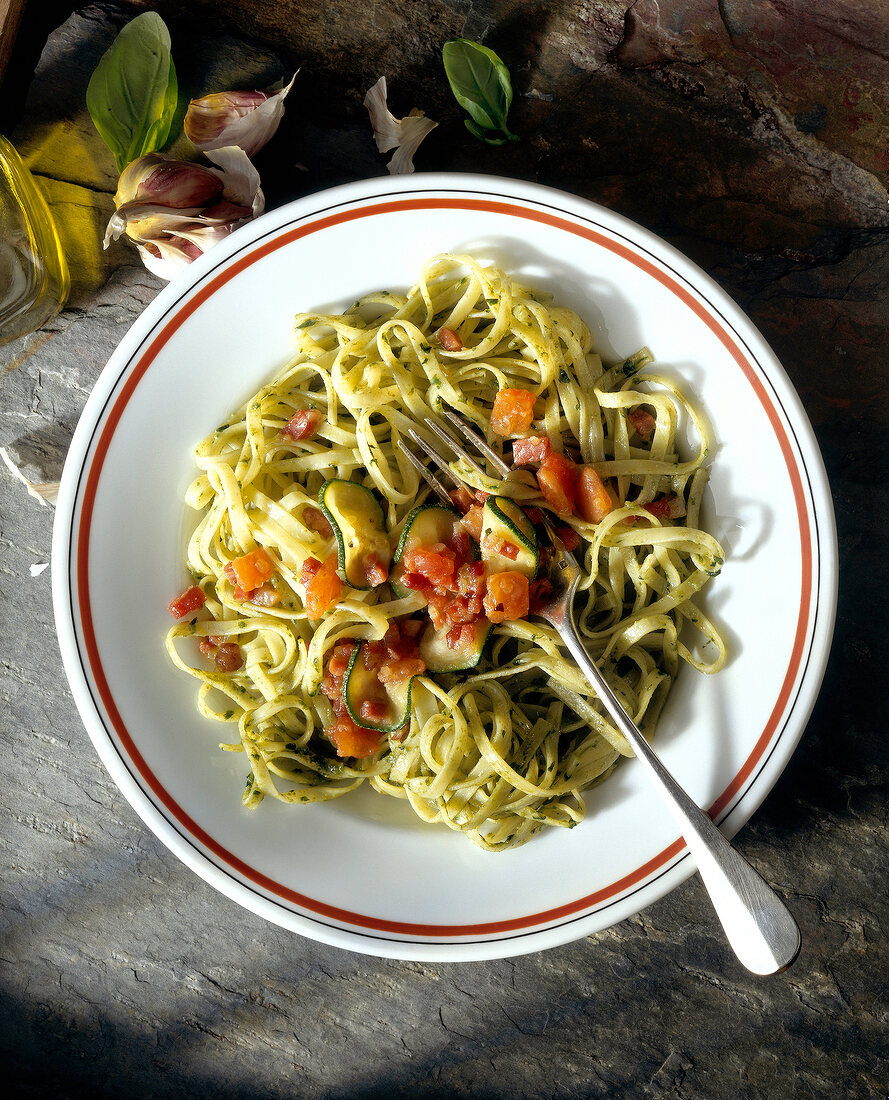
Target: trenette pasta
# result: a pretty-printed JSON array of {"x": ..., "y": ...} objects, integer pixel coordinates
[{"x": 501, "y": 750}]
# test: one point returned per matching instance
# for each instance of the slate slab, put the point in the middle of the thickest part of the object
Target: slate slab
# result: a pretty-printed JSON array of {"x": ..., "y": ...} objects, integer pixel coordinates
[{"x": 755, "y": 139}]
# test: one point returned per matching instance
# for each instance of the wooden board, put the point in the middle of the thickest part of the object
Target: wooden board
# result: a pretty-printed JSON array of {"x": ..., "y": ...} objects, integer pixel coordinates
[{"x": 10, "y": 17}]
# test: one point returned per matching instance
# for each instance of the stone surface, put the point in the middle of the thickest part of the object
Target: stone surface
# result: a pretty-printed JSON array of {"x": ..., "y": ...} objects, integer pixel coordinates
[{"x": 754, "y": 137}]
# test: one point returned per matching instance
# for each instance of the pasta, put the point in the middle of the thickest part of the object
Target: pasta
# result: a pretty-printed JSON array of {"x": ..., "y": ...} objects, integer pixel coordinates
[{"x": 499, "y": 750}]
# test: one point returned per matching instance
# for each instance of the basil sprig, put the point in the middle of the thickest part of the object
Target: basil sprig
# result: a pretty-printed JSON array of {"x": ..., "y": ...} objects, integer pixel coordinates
[
  {"x": 132, "y": 94},
  {"x": 481, "y": 85}
]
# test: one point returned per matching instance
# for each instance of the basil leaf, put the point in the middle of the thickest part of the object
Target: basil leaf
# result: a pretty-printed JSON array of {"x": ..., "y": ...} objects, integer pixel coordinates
[
  {"x": 490, "y": 136},
  {"x": 133, "y": 92},
  {"x": 481, "y": 85}
]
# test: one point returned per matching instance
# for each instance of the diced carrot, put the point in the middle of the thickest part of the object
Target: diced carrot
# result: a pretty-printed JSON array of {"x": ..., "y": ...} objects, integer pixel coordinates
[
  {"x": 507, "y": 597},
  {"x": 594, "y": 501},
  {"x": 557, "y": 478},
  {"x": 536, "y": 448},
  {"x": 309, "y": 569},
  {"x": 303, "y": 424},
  {"x": 351, "y": 740},
  {"x": 189, "y": 600},
  {"x": 252, "y": 570},
  {"x": 449, "y": 339},
  {"x": 324, "y": 588},
  {"x": 513, "y": 411}
]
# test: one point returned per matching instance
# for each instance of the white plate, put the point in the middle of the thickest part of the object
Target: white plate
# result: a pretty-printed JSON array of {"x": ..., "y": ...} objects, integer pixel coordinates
[{"x": 357, "y": 872}]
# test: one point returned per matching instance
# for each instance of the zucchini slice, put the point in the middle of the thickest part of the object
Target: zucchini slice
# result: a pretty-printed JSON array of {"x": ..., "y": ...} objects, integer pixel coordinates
[
  {"x": 426, "y": 525},
  {"x": 438, "y": 655},
  {"x": 359, "y": 528},
  {"x": 361, "y": 684},
  {"x": 504, "y": 521}
]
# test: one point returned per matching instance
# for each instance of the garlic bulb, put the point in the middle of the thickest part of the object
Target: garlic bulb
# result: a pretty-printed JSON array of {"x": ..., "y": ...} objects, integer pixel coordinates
[{"x": 175, "y": 210}]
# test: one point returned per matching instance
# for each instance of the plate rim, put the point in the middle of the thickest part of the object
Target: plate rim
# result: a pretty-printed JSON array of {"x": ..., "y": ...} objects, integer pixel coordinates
[{"x": 674, "y": 862}]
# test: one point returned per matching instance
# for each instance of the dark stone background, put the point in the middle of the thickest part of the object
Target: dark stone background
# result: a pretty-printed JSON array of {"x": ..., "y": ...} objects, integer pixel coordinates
[{"x": 755, "y": 137}]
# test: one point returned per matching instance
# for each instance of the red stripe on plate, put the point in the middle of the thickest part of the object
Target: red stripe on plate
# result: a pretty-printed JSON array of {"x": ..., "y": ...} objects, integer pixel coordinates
[{"x": 658, "y": 862}]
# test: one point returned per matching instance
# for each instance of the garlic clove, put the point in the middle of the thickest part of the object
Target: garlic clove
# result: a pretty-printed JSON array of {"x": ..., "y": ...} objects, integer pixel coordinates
[
  {"x": 245, "y": 119},
  {"x": 402, "y": 134}
]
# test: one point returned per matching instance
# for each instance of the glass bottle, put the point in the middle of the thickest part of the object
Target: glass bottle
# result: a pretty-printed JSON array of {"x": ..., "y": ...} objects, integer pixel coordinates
[{"x": 34, "y": 278}]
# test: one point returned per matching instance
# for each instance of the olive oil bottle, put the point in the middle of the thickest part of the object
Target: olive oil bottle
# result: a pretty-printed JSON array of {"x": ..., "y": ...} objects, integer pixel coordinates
[{"x": 34, "y": 278}]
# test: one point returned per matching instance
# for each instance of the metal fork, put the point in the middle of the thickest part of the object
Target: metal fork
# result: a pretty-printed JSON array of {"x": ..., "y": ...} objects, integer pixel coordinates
[{"x": 759, "y": 927}]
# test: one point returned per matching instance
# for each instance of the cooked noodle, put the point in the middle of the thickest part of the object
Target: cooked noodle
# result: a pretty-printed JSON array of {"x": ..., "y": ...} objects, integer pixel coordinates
[{"x": 503, "y": 749}]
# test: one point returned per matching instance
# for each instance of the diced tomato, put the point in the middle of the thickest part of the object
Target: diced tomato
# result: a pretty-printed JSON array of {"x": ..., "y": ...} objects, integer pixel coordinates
[
  {"x": 228, "y": 570},
  {"x": 461, "y": 636},
  {"x": 472, "y": 522},
  {"x": 316, "y": 520},
  {"x": 534, "y": 514},
  {"x": 449, "y": 339},
  {"x": 594, "y": 500},
  {"x": 302, "y": 425},
  {"x": 207, "y": 647},
  {"x": 374, "y": 571},
  {"x": 309, "y": 569},
  {"x": 667, "y": 507},
  {"x": 436, "y": 563},
  {"x": 189, "y": 600},
  {"x": 557, "y": 478},
  {"x": 570, "y": 538},
  {"x": 339, "y": 659},
  {"x": 351, "y": 740},
  {"x": 324, "y": 588},
  {"x": 643, "y": 422},
  {"x": 481, "y": 495},
  {"x": 228, "y": 657},
  {"x": 373, "y": 710},
  {"x": 462, "y": 498},
  {"x": 417, "y": 583},
  {"x": 463, "y": 609},
  {"x": 401, "y": 669},
  {"x": 266, "y": 596},
  {"x": 513, "y": 411},
  {"x": 410, "y": 628},
  {"x": 496, "y": 545},
  {"x": 251, "y": 570},
  {"x": 539, "y": 592},
  {"x": 471, "y": 579},
  {"x": 400, "y": 640},
  {"x": 373, "y": 654},
  {"x": 536, "y": 448},
  {"x": 461, "y": 544},
  {"x": 507, "y": 597}
]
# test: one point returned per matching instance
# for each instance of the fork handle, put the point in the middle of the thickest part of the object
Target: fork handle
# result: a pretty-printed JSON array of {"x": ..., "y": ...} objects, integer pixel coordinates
[{"x": 758, "y": 925}]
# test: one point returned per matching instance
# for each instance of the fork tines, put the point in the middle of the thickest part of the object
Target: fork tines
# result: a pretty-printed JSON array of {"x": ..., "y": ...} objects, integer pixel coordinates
[{"x": 450, "y": 440}]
